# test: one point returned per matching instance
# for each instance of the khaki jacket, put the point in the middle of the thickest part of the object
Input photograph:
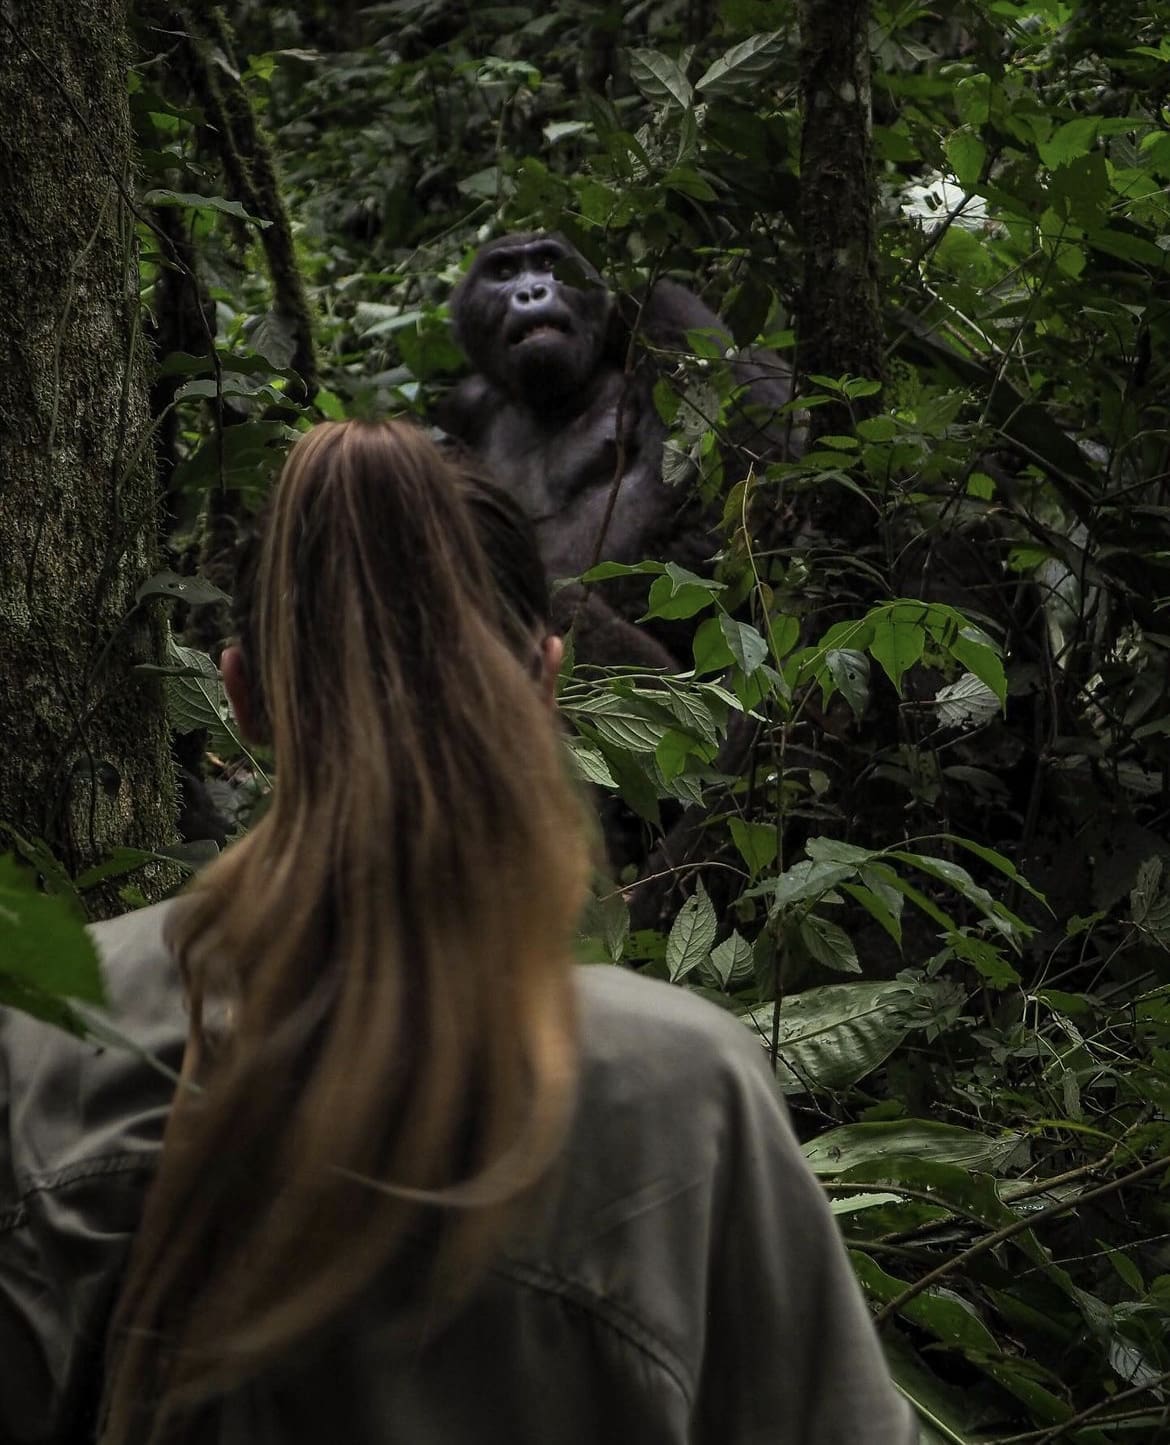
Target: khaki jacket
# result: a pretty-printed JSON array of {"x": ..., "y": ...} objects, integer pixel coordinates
[{"x": 681, "y": 1283}]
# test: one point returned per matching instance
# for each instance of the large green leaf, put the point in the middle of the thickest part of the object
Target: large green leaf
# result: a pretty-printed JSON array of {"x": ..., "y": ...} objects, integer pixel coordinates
[
  {"x": 190, "y": 201},
  {"x": 46, "y": 955},
  {"x": 833, "y": 1036},
  {"x": 660, "y": 78},
  {"x": 744, "y": 65},
  {"x": 949, "y": 1318},
  {"x": 854, "y": 1145},
  {"x": 195, "y": 695}
]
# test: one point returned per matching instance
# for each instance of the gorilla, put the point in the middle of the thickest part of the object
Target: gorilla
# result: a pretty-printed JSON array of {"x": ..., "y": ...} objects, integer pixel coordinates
[
  {"x": 570, "y": 429},
  {"x": 560, "y": 409}
]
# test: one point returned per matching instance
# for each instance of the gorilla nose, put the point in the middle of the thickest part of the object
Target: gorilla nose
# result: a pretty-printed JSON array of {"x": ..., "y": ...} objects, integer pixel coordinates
[{"x": 538, "y": 291}]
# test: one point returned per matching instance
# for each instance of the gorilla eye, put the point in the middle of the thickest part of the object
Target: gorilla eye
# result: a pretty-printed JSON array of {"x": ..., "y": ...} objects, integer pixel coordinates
[
  {"x": 546, "y": 261},
  {"x": 503, "y": 269}
]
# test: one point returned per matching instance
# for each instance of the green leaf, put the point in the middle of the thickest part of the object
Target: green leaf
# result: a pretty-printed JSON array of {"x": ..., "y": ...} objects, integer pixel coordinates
[
  {"x": 945, "y": 1414},
  {"x": 828, "y": 944},
  {"x": 961, "y": 881},
  {"x": 920, "y": 900},
  {"x": 246, "y": 453},
  {"x": 973, "y": 99},
  {"x": 672, "y": 753},
  {"x": 977, "y": 655},
  {"x": 189, "y": 589},
  {"x": 189, "y": 857},
  {"x": 732, "y": 959},
  {"x": 274, "y": 338},
  {"x": 1074, "y": 138},
  {"x": 938, "y": 1311},
  {"x": 878, "y": 1145},
  {"x": 690, "y": 710},
  {"x": 192, "y": 202},
  {"x": 995, "y": 860},
  {"x": 607, "y": 919},
  {"x": 897, "y": 646},
  {"x": 746, "y": 645},
  {"x": 805, "y": 881},
  {"x": 589, "y": 763},
  {"x": 711, "y": 652},
  {"x": 634, "y": 783},
  {"x": 660, "y": 79},
  {"x": 44, "y": 947},
  {"x": 605, "y": 570},
  {"x": 1149, "y": 901},
  {"x": 691, "y": 935},
  {"x": 785, "y": 634},
  {"x": 878, "y": 904},
  {"x": 195, "y": 695},
  {"x": 849, "y": 671},
  {"x": 985, "y": 959},
  {"x": 679, "y": 593},
  {"x": 53, "y": 875},
  {"x": 743, "y": 66},
  {"x": 757, "y": 843},
  {"x": 832, "y": 850},
  {"x": 832, "y": 1037},
  {"x": 966, "y": 153},
  {"x": 623, "y": 722}
]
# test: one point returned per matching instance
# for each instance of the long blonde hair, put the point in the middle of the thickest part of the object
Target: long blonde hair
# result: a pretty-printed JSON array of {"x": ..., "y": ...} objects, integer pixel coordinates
[{"x": 391, "y": 943}]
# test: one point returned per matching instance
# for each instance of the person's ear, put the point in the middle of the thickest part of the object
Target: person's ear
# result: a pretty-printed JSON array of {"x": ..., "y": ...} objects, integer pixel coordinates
[
  {"x": 237, "y": 683},
  {"x": 552, "y": 654}
]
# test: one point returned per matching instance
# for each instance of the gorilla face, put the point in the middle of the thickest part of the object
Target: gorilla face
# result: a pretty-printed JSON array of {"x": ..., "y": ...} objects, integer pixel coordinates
[{"x": 536, "y": 337}]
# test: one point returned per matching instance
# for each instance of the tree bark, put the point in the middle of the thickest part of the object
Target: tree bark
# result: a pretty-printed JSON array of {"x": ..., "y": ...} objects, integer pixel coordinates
[
  {"x": 838, "y": 321},
  {"x": 84, "y": 757}
]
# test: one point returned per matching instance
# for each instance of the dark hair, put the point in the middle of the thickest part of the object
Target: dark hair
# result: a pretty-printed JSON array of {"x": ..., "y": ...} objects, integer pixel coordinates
[{"x": 391, "y": 942}]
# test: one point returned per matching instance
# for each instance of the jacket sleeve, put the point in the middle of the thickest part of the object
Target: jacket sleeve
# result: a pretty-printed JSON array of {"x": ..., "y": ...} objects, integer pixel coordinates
[
  {"x": 80, "y": 1129},
  {"x": 792, "y": 1357},
  {"x": 62, "y": 1254}
]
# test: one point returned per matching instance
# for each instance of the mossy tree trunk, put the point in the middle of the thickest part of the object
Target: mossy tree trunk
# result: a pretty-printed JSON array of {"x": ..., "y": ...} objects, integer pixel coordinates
[
  {"x": 84, "y": 757},
  {"x": 839, "y": 322}
]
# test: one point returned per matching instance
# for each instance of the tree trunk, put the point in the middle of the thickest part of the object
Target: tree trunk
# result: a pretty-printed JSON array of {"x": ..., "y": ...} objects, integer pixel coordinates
[
  {"x": 839, "y": 323},
  {"x": 84, "y": 757}
]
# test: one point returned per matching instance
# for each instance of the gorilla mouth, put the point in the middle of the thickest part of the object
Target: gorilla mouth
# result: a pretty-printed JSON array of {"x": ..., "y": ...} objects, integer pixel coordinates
[{"x": 540, "y": 330}]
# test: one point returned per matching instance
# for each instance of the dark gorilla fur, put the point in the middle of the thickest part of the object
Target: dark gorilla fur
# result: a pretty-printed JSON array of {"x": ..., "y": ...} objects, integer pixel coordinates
[{"x": 543, "y": 412}]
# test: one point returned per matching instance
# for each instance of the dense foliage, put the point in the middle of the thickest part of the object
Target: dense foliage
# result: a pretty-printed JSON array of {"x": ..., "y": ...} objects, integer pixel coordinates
[{"x": 938, "y": 887}]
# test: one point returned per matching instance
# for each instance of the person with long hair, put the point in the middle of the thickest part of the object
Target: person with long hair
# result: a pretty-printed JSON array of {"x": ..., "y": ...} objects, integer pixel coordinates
[{"x": 422, "y": 1179}]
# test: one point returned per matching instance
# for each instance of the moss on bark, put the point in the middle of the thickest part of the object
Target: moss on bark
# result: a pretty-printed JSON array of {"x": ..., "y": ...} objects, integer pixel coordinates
[
  {"x": 839, "y": 322},
  {"x": 84, "y": 756}
]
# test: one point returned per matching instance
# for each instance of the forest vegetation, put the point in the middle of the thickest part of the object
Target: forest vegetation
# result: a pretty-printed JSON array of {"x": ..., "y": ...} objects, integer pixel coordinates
[{"x": 936, "y": 882}]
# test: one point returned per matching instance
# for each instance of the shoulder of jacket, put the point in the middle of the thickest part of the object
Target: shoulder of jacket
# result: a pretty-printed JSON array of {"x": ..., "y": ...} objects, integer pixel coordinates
[
  {"x": 664, "y": 1035},
  {"x": 141, "y": 976}
]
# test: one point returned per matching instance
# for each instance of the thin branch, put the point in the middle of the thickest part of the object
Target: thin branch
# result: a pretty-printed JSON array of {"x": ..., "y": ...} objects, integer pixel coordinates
[{"x": 1009, "y": 1231}]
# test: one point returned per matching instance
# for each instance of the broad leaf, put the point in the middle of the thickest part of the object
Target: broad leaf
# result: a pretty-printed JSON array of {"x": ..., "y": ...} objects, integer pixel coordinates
[
  {"x": 744, "y": 65},
  {"x": 194, "y": 590},
  {"x": 660, "y": 79},
  {"x": 192, "y": 202},
  {"x": 834, "y": 1036},
  {"x": 44, "y": 947},
  {"x": 691, "y": 935},
  {"x": 757, "y": 843}
]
